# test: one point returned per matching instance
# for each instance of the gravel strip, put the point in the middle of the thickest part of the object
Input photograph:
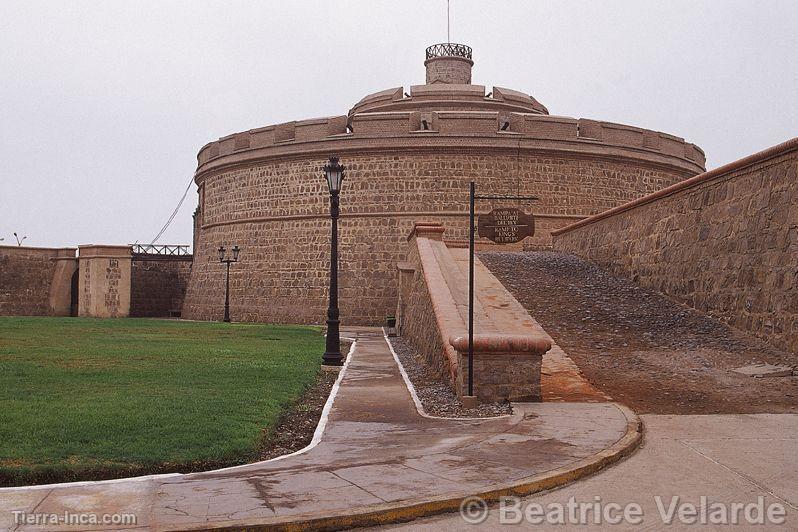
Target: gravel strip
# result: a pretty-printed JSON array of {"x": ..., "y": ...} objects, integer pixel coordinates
[
  {"x": 295, "y": 428},
  {"x": 437, "y": 397}
]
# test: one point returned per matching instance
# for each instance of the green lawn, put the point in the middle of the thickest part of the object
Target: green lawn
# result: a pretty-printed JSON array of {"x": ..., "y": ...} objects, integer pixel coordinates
[{"x": 89, "y": 398}]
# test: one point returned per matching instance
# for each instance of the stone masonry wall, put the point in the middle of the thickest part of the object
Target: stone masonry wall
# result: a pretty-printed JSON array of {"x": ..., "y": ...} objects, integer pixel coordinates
[
  {"x": 448, "y": 70},
  {"x": 32, "y": 281},
  {"x": 277, "y": 212},
  {"x": 158, "y": 285},
  {"x": 724, "y": 242},
  {"x": 418, "y": 325}
]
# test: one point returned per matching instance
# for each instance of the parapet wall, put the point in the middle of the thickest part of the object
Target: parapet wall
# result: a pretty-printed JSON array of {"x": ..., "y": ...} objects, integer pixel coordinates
[
  {"x": 418, "y": 128},
  {"x": 432, "y": 314},
  {"x": 36, "y": 281},
  {"x": 724, "y": 242},
  {"x": 449, "y": 97}
]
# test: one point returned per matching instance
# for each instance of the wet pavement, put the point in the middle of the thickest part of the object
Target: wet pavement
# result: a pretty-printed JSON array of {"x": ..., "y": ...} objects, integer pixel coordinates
[{"x": 709, "y": 462}]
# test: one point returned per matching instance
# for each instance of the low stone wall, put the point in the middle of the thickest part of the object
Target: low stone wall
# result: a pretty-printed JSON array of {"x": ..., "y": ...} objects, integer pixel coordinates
[
  {"x": 724, "y": 242},
  {"x": 36, "y": 281},
  {"x": 416, "y": 320},
  {"x": 158, "y": 285},
  {"x": 432, "y": 315}
]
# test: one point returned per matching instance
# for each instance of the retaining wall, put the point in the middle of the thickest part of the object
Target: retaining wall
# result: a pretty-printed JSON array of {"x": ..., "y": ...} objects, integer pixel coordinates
[{"x": 724, "y": 242}]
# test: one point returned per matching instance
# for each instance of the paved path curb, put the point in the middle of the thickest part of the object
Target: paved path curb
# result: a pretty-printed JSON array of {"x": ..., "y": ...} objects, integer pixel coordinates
[{"x": 409, "y": 510}]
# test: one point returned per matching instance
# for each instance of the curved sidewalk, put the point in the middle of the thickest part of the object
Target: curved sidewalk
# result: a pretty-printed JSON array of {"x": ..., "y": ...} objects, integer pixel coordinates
[{"x": 379, "y": 460}]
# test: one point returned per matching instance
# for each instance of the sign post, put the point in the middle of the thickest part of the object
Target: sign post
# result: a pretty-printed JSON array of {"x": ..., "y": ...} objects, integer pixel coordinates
[
  {"x": 471, "y": 291},
  {"x": 503, "y": 226}
]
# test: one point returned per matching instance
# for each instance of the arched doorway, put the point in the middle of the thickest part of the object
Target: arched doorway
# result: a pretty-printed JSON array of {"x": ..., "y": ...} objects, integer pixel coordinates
[{"x": 73, "y": 294}]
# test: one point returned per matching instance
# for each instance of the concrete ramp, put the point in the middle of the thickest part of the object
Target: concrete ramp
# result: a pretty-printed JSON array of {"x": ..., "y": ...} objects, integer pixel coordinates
[{"x": 509, "y": 345}]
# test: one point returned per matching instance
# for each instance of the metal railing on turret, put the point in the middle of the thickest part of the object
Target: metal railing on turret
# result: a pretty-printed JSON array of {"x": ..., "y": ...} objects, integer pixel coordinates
[{"x": 449, "y": 49}]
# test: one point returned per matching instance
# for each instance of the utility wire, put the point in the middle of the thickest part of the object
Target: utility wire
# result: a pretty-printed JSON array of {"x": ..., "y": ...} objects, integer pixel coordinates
[{"x": 174, "y": 213}]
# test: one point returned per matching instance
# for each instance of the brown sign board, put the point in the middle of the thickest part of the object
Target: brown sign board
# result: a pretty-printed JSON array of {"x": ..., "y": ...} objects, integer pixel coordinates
[{"x": 506, "y": 225}]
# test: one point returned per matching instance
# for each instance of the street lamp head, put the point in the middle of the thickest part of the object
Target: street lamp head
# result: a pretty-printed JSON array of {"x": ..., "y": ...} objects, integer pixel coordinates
[
  {"x": 221, "y": 253},
  {"x": 236, "y": 250},
  {"x": 334, "y": 173}
]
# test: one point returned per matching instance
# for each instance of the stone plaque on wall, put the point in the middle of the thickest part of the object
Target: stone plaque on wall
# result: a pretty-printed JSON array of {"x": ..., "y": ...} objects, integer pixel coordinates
[{"x": 506, "y": 225}]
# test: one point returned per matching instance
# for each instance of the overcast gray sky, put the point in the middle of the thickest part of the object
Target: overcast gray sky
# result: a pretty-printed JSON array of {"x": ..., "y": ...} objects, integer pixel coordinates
[{"x": 105, "y": 104}]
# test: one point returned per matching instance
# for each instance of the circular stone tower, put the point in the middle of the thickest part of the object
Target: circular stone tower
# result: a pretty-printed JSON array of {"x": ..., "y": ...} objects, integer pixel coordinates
[
  {"x": 410, "y": 156},
  {"x": 449, "y": 63}
]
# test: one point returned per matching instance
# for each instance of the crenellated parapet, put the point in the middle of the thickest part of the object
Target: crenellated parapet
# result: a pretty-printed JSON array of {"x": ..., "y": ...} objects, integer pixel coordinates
[
  {"x": 412, "y": 128},
  {"x": 297, "y": 131}
]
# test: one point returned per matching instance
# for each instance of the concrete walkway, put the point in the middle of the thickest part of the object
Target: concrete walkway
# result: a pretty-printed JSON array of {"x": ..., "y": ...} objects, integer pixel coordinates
[
  {"x": 378, "y": 460},
  {"x": 727, "y": 458}
]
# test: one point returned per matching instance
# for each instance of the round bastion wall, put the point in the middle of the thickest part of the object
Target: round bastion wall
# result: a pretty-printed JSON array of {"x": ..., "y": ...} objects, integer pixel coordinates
[{"x": 409, "y": 157}]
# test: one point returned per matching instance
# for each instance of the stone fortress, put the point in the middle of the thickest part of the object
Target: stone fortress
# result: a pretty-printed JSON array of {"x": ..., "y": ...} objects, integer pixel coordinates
[
  {"x": 409, "y": 154},
  {"x": 636, "y": 202}
]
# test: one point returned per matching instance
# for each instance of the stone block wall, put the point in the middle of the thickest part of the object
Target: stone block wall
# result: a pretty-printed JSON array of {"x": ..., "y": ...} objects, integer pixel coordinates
[
  {"x": 415, "y": 313},
  {"x": 410, "y": 154},
  {"x": 36, "y": 281},
  {"x": 724, "y": 242},
  {"x": 277, "y": 211},
  {"x": 500, "y": 375},
  {"x": 449, "y": 70},
  {"x": 158, "y": 285},
  {"x": 105, "y": 282}
]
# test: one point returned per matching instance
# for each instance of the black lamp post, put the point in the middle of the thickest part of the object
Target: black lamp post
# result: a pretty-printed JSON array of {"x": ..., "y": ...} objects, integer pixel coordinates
[
  {"x": 334, "y": 174},
  {"x": 227, "y": 261}
]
